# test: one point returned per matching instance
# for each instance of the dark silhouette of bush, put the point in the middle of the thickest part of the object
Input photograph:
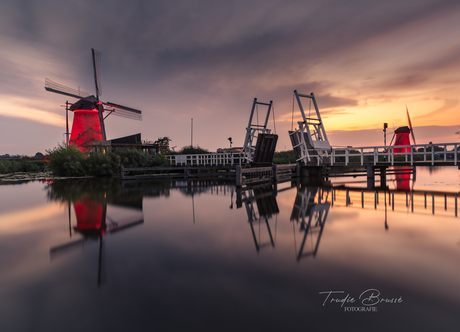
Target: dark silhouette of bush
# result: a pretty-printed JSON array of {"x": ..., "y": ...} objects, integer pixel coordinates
[{"x": 70, "y": 161}]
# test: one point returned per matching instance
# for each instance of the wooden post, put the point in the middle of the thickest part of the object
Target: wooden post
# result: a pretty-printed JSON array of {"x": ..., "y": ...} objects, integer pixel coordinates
[
  {"x": 370, "y": 177},
  {"x": 393, "y": 201},
  {"x": 122, "y": 172},
  {"x": 238, "y": 176},
  {"x": 383, "y": 177},
  {"x": 412, "y": 201},
  {"x": 274, "y": 173},
  {"x": 455, "y": 205}
]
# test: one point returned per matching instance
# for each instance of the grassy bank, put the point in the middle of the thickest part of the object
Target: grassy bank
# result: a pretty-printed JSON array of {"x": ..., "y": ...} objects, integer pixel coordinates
[{"x": 70, "y": 161}]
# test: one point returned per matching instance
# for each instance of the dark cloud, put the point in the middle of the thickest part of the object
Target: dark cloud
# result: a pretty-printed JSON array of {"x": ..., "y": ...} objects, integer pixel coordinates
[
  {"x": 182, "y": 59},
  {"x": 328, "y": 101}
]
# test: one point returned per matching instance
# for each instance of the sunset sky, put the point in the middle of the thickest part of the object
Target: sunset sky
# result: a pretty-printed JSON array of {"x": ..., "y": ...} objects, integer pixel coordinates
[{"x": 207, "y": 60}]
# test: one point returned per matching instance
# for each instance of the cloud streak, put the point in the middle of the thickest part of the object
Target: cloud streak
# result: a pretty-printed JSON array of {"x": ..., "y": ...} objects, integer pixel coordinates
[{"x": 205, "y": 59}]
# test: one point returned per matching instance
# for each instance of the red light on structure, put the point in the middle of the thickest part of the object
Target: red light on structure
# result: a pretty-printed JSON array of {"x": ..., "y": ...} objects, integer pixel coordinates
[
  {"x": 86, "y": 129},
  {"x": 89, "y": 214},
  {"x": 402, "y": 138}
]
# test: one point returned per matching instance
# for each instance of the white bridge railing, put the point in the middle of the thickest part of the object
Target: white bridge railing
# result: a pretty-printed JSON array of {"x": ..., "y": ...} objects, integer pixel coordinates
[
  {"x": 208, "y": 159},
  {"x": 389, "y": 154}
]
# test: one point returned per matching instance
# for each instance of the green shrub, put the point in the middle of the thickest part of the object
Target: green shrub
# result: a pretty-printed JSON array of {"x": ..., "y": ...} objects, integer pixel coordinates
[
  {"x": 5, "y": 167},
  {"x": 8, "y": 166},
  {"x": 102, "y": 164},
  {"x": 158, "y": 160},
  {"x": 67, "y": 161},
  {"x": 70, "y": 161},
  {"x": 284, "y": 157},
  {"x": 193, "y": 150},
  {"x": 133, "y": 157}
]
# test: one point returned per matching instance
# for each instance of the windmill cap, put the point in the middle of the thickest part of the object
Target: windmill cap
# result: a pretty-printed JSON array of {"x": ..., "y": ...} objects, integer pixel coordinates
[
  {"x": 87, "y": 103},
  {"x": 402, "y": 130}
]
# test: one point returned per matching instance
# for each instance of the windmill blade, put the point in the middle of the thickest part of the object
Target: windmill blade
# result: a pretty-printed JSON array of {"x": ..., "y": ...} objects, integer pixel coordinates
[
  {"x": 65, "y": 248},
  {"x": 123, "y": 111},
  {"x": 64, "y": 90},
  {"x": 97, "y": 71},
  {"x": 116, "y": 226},
  {"x": 410, "y": 125}
]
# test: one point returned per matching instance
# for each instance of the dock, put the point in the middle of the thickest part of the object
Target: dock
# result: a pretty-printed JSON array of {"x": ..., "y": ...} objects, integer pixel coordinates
[{"x": 241, "y": 175}]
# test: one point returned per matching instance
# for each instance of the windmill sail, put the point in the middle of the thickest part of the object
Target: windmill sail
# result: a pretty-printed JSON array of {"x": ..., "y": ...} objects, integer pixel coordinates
[
  {"x": 96, "y": 66},
  {"x": 64, "y": 90},
  {"x": 97, "y": 71},
  {"x": 123, "y": 111},
  {"x": 410, "y": 126}
]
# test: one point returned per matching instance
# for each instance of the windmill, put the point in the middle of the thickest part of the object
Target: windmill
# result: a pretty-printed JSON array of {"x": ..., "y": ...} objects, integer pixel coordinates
[
  {"x": 401, "y": 135},
  {"x": 88, "y": 122},
  {"x": 401, "y": 138}
]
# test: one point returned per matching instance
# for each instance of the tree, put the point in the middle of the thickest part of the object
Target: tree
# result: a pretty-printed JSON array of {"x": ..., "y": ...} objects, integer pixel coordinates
[{"x": 163, "y": 141}]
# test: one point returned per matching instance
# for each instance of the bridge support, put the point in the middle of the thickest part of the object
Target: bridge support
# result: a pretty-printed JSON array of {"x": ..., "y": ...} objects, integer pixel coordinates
[
  {"x": 312, "y": 174},
  {"x": 383, "y": 177},
  {"x": 371, "y": 176}
]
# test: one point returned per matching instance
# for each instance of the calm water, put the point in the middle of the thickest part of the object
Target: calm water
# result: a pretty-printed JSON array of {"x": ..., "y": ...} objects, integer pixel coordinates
[{"x": 180, "y": 257}]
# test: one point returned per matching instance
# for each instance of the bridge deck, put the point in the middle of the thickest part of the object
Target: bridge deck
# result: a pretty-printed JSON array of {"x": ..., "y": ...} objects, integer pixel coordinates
[{"x": 443, "y": 154}]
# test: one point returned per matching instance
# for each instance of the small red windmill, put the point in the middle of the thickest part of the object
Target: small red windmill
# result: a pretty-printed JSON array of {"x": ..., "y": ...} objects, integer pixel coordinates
[
  {"x": 402, "y": 135},
  {"x": 402, "y": 138},
  {"x": 88, "y": 122}
]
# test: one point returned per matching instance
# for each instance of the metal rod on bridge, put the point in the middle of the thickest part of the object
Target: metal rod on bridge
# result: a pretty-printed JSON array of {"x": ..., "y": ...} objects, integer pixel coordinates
[{"x": 432, "y": 202}]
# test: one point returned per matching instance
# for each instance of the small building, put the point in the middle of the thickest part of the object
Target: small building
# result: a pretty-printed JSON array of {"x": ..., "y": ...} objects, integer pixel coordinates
[{"x": 129, "y": 142}]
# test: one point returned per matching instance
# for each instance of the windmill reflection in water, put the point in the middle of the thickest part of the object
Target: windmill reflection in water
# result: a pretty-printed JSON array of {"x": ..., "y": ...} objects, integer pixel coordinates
[{"x": 93, "y": 222}]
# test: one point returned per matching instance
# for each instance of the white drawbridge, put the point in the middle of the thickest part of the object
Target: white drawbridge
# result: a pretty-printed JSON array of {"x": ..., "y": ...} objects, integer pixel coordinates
[{"x": 310, "y": 138}]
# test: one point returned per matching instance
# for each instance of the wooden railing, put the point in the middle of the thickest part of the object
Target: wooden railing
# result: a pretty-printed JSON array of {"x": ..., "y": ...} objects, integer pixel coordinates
[
  {"x": 410, "y": 198},
  {"x": 209, "y": 159}
]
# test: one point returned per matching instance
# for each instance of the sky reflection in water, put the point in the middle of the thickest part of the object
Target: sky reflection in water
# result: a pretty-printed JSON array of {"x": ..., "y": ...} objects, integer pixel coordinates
[{"x": 187, "y": 257}]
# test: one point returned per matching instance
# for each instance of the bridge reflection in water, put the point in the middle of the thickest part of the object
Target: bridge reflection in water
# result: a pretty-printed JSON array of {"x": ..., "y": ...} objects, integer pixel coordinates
[
  {"x": 310, "y": 208},
  {"x": 312, "y": 205}
]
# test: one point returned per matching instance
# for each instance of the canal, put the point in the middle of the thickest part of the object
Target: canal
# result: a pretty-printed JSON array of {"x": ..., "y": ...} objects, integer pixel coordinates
[{"x": 107, "y": 255}]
